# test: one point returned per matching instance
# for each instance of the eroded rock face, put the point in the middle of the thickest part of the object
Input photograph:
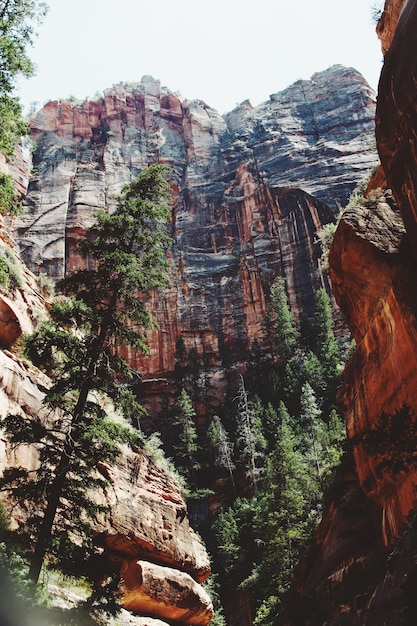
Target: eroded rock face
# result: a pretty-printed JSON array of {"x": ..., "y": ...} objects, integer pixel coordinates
[
  {"x": 388, "y": 21},
  {"x": 374, "y": 274},
  {"x": 146, "y": 517},
  {"x": 243, "y": 210},
  {"x": 373, "y": 277},
  {"x": 154, "y": 590},
  {"x": 21, "y": 301},
  {"x": 396, "y": 118}
]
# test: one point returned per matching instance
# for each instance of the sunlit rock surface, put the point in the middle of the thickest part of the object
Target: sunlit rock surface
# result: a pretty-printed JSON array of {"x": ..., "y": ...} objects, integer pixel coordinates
[
  {"x": 250, "y": 192},
  {"x": 362, "y": 570},
  {"x": 154, "y": 590}
]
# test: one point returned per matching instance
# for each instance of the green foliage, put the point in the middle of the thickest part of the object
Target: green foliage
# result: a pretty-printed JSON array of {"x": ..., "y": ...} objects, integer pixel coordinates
[
  {"x": 9, "y": 200},
  {"x": 237, "y": 545},
  {"x": 326, "y": 236},
  {"x": 222, "y": 447},
  {"x": 251, "y": 443},
  {"x": 153, "y": 446},
  {"x": 46, "y": 284},
  {"x": 327, "y": 348},
  {"x": 4, "y": 519},
  {"x": 285, "y": 331},
  {"x": 17, "y": 29},
  {"x": 211, "y": 586},
  {"x": 103, "y": 308},
  {"x": 360, "y": 198},
  {"x": 393, "y": 441},
  {"x": 186, "y": 446},
  {"x": 10, "y": 270}
]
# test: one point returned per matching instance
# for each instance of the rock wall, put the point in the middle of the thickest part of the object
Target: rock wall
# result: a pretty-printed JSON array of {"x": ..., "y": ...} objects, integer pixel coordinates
[
  {"x": 374, "y": 271},
  {"x": 250, "y": 192},
  {"x": 146, "y": 521},
  {"x": 363, "y": 568}
]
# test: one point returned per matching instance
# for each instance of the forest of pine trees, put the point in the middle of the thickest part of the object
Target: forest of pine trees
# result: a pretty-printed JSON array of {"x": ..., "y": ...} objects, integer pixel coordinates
[{"x": 275, "y": 443}]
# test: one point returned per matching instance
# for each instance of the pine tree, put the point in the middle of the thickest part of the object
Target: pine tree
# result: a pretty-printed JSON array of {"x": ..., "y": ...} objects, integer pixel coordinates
[
  {"x": 103, "y": 308},
  {"x": 313, "y": 429},
  {"x": 286, "y": 335},
  {"x": 223, "y": 448},
  {"x": 251, "y": 442},
  {"x": 282, "y": 520},
  {"x": 186, "y": 446},
  {"x": 328, "y": 350},
  {"x": 17, "y": 21}
]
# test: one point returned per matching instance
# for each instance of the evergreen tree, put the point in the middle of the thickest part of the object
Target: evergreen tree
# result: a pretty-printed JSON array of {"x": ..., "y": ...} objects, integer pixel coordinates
[
  {"x": 104, "y": 307},
  {"x": 223, "y": 448},
  {"x": 313, "y": 436},
  {"x": 271, "y": 422},
  {"x": 186, "y": 446},
  {"x": 286, "y": 335},
  {"x": 251, "y": 442},
  {"x": 328, "y": 350},
  {"x": 282, "y": 520},
  {"x": 17, "y": 29}
]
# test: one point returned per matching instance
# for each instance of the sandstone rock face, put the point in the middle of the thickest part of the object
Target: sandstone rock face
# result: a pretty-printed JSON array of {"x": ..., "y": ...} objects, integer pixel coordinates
[
  {"x": 373, "y": 278},
  {"x": 374, "y": 273},
  {"x": 19, "y": 167},
  {"x": 21, "y": 301},
  {"x": 155, "y": 590},
  {"x": 250, "y": 191},
  {"x": 147, "y": 518},
  {"x": 387, "y": 24},
  {"x": 396, "y": 118}
]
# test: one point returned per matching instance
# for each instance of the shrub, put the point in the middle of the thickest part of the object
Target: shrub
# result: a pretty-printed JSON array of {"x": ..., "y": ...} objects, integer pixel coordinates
[
  {"x": 10, "y": 271},
  {"x": 9, "y": 200}
]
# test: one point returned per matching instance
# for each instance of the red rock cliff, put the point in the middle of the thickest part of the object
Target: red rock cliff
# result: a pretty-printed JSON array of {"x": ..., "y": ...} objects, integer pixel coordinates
[
  {"x": 145, "y": 532},
  {"x": 250, "y": 192},
  {"x": 350, "y": 578}
]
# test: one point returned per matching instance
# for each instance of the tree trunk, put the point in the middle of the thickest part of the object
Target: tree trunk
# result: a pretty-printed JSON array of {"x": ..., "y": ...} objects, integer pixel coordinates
[{"x": 45, "y": 529}]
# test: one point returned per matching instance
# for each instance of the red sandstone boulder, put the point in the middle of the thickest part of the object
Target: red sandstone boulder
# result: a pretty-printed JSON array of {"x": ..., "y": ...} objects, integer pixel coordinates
[{"x": 167, "y": 593}]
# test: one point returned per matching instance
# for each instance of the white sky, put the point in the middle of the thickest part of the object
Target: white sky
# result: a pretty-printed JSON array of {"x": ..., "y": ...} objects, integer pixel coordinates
[{"x": 220, "y": 51}]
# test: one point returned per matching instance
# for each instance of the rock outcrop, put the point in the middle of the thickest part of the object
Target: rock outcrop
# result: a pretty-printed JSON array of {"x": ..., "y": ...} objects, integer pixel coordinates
[
  {"x": 146, "y": 517},
  {"x": 163, "y": 591},
  {"x": 363, "y": 570},
  {"x": 250, "y": 192}
]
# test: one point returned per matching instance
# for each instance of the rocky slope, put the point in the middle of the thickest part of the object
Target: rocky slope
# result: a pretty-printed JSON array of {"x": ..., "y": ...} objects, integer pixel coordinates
[
  {"x": 145, "y": 534},
  {"x": 250, "y": 192},
  {"x": 146, "y": 528},
  {"x": 363, "y": 570}
]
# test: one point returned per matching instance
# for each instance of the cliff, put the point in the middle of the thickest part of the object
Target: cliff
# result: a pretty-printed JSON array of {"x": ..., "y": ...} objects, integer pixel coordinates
[
  {"x": 250, "y": 192},
  {"x": 363, "y": 568},
  {"x": 146, "y": 528}
]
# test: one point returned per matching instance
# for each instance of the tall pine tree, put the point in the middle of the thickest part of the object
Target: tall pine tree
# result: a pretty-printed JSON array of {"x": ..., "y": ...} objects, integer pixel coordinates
[{"x": 104, "y": 307}]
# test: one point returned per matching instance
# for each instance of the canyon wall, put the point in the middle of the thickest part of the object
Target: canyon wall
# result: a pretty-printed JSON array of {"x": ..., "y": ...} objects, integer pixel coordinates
[
  {"x": 251, "y": 190},
  {"x": 146, "y": 527},
  {"x": 363, "y": 568}
]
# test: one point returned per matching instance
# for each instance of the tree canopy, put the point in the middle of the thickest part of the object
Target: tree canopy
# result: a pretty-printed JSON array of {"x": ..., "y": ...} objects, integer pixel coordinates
[{"x": 18, "y": 20}]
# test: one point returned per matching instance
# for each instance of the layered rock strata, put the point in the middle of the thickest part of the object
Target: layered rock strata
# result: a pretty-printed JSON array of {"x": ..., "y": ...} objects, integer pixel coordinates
[
  {"x": 146, "y": 517},
  {"x": 250, "y": 192},
  {"x": 363, "y": 570},
  {"x": 373, "y": 277}
]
